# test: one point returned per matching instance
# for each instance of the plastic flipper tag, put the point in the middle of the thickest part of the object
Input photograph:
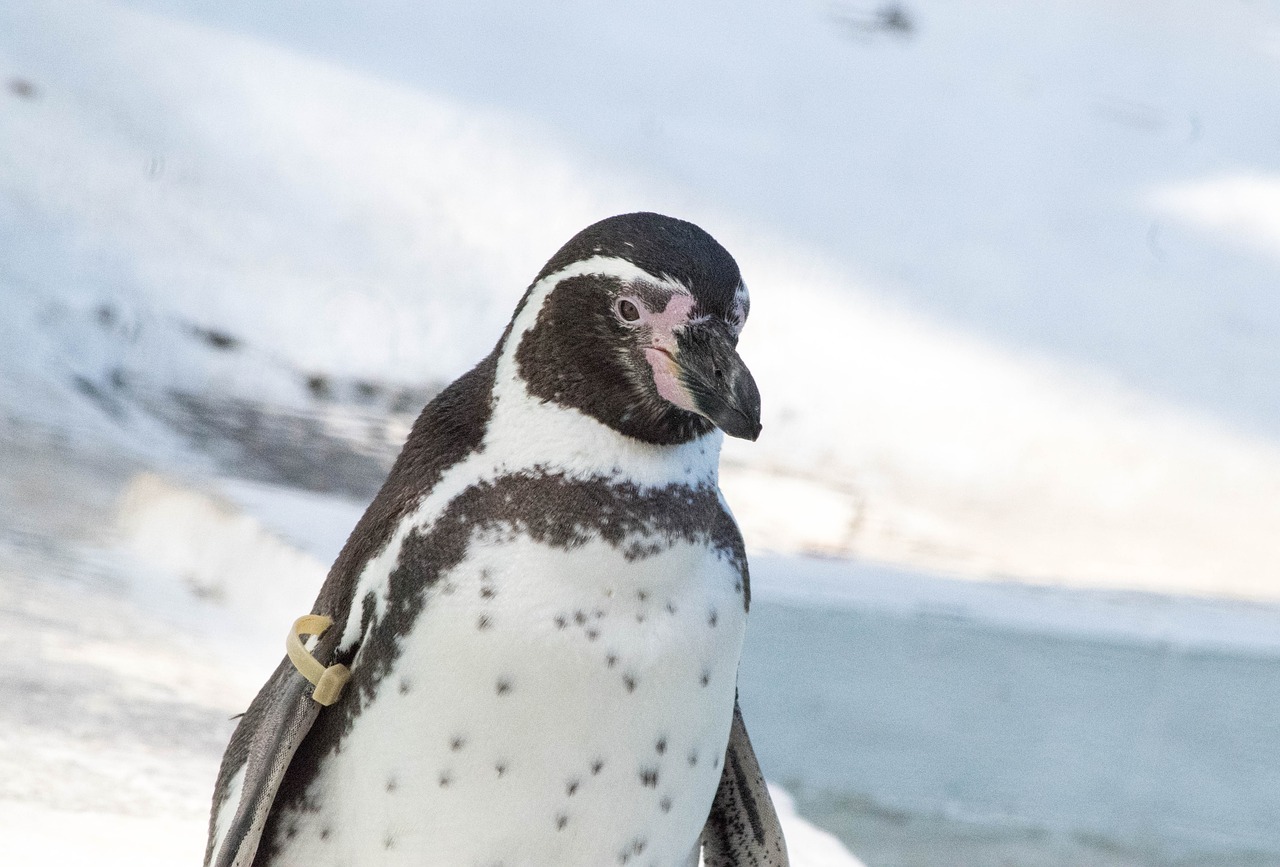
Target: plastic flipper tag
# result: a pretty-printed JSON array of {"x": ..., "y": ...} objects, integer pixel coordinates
[{"x": 328, "y": 682}]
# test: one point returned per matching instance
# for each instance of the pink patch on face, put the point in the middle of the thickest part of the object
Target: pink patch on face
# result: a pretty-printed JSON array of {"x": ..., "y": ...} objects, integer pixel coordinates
[
  {"x": 664, "y": 323},
  {"x": 676, "y": 312},
  {"x": 666, "y": 376},
  {"x": 662, "y": 326}
]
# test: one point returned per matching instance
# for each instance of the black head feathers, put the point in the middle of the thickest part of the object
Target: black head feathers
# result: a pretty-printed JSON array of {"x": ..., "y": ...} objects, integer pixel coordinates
[{"x": 637, "y": 319}]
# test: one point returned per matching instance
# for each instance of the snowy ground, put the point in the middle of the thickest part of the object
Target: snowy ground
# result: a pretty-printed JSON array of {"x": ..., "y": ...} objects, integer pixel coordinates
[
  {"x": 1014, "y": 318},
  {"x": 1013, "y": 268}
]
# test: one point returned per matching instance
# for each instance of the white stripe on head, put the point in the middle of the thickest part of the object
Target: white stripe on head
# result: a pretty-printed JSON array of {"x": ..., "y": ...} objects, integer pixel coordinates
[{"x": 596, "y": 266}]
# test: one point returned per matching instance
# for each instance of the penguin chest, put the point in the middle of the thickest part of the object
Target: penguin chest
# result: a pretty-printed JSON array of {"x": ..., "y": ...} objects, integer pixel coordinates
[{"x": 547, "y": 706}]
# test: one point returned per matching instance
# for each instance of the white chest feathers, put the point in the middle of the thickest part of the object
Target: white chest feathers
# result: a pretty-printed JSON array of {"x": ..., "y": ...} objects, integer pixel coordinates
[{"x": 550, "y": 705}]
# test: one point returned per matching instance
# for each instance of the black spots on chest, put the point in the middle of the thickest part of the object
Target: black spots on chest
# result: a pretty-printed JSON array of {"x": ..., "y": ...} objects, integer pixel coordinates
[
  {"x": 636, "y": 847},
  {"x": 589, "y": 625},
  {"x": 549, "y": 508},
  {"x": 558, "y": 511}
]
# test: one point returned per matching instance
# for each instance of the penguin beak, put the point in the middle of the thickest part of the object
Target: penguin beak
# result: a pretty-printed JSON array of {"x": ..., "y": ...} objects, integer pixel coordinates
[{"x": 717, "y": 381}]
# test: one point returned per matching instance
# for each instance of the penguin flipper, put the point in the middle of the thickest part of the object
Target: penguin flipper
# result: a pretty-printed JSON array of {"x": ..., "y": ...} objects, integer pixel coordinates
[
  {"x": 742, "y": 829},
  {"x": 259, "y": 754}
]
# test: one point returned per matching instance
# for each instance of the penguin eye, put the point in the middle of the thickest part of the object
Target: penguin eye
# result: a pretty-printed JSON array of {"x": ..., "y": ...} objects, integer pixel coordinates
[{"x": 627, "y": 310}]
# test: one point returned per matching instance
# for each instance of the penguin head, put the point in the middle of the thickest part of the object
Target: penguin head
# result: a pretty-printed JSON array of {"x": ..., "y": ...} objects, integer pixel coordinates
[{"x": 639, "y": 330}]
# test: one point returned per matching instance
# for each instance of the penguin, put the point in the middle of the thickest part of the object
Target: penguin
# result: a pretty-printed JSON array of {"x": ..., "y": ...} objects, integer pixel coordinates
[{"x": 526, "y": 653}]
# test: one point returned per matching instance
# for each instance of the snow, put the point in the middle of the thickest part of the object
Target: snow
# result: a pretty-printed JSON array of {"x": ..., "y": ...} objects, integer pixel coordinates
[
  {"x": 805, "y": 843},
  {"x": 1237, "y": 208},
  {"x": 1013, "y": 318},
  {"x": 1061, "y": 304}
]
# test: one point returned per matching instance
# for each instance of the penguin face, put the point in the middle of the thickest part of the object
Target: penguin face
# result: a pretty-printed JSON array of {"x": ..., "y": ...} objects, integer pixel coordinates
[{"x": 645, "y": 342}]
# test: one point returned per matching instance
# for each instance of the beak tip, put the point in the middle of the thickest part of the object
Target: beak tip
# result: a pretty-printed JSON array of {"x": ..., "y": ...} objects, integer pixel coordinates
[{"x": 741, "y": 428}]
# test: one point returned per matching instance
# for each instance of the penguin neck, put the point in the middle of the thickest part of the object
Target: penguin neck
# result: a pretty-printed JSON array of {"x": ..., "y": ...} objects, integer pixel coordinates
[{"x": 526, "y": 434}]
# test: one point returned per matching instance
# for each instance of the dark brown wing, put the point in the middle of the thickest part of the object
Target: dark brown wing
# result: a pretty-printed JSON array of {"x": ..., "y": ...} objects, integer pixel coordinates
[
  {"x": 264, "y": 742},
  {"x": 742, "y": 829}
]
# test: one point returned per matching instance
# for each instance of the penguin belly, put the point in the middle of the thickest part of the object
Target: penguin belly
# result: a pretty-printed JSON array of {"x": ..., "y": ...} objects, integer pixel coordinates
[{"x": 547, "y": 707}]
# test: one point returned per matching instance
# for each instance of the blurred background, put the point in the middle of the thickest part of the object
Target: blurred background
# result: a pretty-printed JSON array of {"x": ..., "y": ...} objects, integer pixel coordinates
[{"x": 1015, "y": 515}]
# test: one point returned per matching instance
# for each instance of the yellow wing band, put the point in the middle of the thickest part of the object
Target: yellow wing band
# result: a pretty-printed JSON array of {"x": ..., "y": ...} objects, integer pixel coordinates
[{"x": 328, "y": 682}]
